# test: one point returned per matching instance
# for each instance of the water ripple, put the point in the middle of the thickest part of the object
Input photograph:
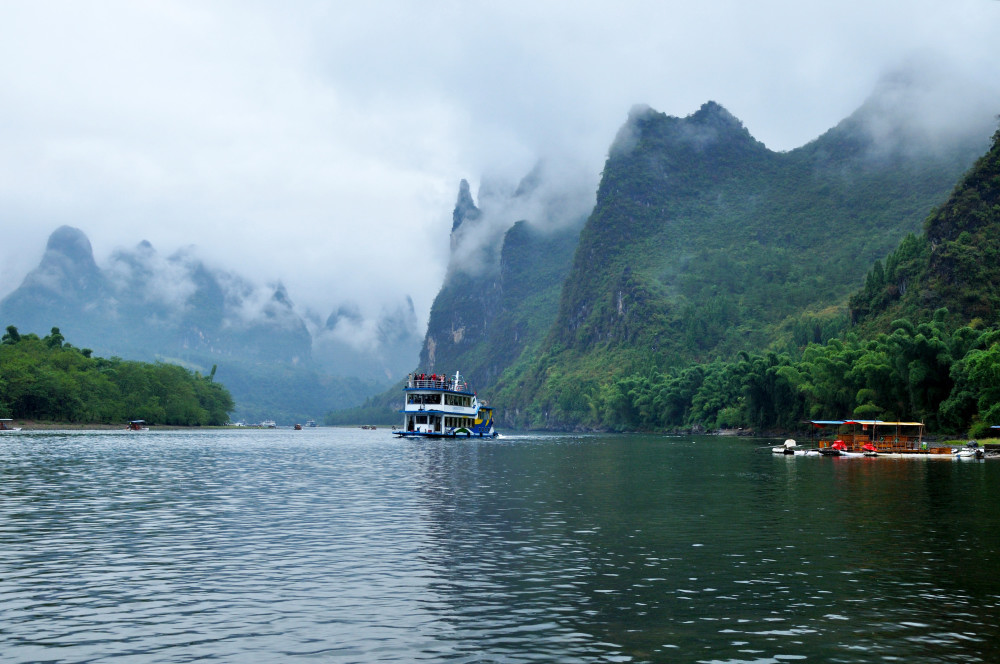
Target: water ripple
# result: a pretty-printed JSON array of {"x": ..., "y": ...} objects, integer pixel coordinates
[{"x": 347, "y": 545}]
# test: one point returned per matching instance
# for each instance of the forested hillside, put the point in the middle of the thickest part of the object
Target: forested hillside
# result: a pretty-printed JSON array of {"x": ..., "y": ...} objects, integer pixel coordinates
[
  {"x": 708, "y": 259},
  {"x": 704, "y": 243},
  {"x": 50, "y": 379},
  {"x": 903, "y": 360}
]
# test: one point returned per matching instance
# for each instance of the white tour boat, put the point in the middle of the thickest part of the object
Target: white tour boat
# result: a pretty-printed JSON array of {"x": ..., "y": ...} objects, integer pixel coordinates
[{"x": 439, "y": 406}]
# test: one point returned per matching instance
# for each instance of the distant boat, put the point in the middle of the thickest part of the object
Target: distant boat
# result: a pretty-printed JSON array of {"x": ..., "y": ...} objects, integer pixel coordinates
[
  {"x": 137, "y": 425},
  {"x": 268, "y": 424},
  {"x": 297, "y": 427},
  {"x": 8, "y": 425},
  {"x": 310, "y": 423},
  {"x": 439, "y": 406}
]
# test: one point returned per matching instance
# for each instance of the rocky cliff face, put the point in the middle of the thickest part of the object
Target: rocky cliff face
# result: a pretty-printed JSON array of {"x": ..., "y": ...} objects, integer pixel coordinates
[{"x": 508, "y": 260}]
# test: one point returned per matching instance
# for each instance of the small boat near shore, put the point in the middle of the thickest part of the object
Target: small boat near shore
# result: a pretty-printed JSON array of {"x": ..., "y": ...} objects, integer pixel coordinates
[
  {"x": 136, "y": 425},
  {"x": 790, "y": 448},
  {"x": 971, "y": 450},
  {"x": 8, "y": 425},
  {"x": 439, "y": 406}
]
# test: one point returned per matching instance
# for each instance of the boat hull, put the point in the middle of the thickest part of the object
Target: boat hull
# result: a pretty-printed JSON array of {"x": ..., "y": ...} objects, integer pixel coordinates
[{"x": 425, "y": 434}]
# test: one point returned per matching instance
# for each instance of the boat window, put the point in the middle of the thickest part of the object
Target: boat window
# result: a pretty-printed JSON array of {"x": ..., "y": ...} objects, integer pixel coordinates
[
  {"x": 421, "y": 419},
  {"x": 457, "y": 400},
  {"x": 423, "y": 398}
]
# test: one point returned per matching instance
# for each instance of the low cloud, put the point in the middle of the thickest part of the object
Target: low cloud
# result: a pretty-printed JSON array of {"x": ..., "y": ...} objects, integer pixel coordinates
[{"x": 321, "y": 147}]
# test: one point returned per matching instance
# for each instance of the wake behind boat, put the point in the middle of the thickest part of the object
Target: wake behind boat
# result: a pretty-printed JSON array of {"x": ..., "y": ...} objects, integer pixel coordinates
[{"x": 439, "y": 406}]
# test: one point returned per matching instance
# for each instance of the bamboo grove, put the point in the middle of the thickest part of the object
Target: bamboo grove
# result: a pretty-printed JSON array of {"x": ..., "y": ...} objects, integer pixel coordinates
[{"x": 949, "y": 380}]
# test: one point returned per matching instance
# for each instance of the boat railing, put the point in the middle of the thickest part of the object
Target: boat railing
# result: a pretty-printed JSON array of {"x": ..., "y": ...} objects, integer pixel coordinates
[{"x": 443, "y": 384}]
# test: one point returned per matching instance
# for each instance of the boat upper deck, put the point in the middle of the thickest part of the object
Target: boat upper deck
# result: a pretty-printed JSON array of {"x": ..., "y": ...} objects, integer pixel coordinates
[{"x": 437, "y": 382}]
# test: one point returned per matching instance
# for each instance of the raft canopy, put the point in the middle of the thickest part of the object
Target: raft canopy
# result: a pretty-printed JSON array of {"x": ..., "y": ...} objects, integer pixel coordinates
[{"x": 868, "y": 423}]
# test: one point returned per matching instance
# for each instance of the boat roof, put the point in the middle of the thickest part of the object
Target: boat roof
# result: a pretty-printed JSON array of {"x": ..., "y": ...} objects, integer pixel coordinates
[{"x": 867, "y": 423}]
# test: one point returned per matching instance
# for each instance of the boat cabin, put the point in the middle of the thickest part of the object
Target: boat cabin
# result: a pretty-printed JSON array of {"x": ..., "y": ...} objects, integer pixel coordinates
[{"x": 884, "y": 436}]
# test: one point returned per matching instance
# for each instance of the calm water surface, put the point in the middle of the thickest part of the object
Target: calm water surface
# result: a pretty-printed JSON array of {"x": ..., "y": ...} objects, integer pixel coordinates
[{"x": 344, "y": 545}]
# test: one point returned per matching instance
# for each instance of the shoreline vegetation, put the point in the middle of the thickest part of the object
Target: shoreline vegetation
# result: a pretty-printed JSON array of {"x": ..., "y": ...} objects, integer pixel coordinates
[
  {"x": 49, "y": 380},
  {"x": 45, "y": 425}
]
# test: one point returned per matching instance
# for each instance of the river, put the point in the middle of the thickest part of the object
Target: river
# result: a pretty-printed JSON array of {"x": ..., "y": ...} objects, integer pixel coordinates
[{"x": 348, "y": 545}]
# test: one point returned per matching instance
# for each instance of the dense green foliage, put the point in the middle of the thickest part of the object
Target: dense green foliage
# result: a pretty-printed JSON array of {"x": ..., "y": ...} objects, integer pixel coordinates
[
  {"x": 49, "y": 379},
  {"x": 944, "y": 370},
  {"x": 704, "y": 244},
  {"x": 945, "y": 379}
]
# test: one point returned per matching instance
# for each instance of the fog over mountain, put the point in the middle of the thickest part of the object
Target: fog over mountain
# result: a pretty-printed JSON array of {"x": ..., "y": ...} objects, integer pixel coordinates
[
  {"x": 320, "y": 147},
  {"x": 140, "y": 304}
]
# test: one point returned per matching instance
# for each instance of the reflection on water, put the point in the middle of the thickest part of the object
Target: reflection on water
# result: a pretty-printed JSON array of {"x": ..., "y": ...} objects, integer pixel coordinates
[{"x": 349, "y": 545}]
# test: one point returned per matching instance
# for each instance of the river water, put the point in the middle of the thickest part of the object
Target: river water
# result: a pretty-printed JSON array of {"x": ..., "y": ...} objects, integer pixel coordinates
[{"x": 348, "y": 545}]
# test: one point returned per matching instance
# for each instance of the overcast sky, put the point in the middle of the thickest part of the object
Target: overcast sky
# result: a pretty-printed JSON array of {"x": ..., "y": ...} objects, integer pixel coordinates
[{"x": 322, "y": 143}]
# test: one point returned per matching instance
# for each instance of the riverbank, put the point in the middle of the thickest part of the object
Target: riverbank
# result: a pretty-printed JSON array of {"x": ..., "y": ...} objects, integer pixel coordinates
[{"x": 39, "y": 425}]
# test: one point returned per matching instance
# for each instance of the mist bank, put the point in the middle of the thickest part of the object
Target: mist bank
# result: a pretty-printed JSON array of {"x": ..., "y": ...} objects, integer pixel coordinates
[{"x": 279, "y": 359}]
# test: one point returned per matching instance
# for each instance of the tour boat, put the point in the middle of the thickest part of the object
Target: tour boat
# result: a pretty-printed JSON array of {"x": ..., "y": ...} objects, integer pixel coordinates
[
  {"x": 8, "y": 425},
  {"x": 439, "y": 406}
]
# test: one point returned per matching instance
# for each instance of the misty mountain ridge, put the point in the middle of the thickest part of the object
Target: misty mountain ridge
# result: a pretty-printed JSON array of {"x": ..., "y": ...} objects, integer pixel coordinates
[
  {"x": 509, "y": 255},
  {"x": 953, "y": 264},
  {"x": 143, "y": 305},
  {"x": 702, "y": 243}
]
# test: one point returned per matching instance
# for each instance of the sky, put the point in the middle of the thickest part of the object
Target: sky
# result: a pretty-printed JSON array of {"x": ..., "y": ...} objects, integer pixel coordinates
[{"x": 322, "y": 143}]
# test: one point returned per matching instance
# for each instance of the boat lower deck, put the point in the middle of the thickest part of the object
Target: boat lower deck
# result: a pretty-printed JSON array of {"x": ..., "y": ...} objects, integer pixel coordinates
[{"x": 452, "y": 434}]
